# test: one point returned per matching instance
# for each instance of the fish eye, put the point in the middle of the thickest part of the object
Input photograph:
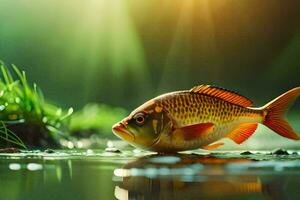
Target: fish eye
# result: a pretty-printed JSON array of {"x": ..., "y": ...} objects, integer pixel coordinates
[{"x": 139, "y": 118}]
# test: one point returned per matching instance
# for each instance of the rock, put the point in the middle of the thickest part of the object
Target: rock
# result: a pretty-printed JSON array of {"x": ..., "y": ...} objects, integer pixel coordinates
[
  {"x": 49, "y": 151},
  {"x": 279, "y": 152},
  {"x": 112, "y": 150},
  {"x": 10, "y": 150},
  {"x": 294, "y": 153},
  {"x": 246, "y": 153}
]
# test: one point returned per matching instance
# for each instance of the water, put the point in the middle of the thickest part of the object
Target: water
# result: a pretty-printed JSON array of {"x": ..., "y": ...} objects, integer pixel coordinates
[{"x": 138, "y": 175}]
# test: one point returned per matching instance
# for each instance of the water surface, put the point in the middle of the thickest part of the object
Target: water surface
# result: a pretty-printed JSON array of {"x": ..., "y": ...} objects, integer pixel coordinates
[{"x": 73, "y": 175}]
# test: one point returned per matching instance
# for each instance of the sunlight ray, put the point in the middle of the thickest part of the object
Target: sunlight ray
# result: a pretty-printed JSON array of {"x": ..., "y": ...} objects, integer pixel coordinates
[
  {"x": 178, "y": 52},
  {"x": 107, "y": 40}
]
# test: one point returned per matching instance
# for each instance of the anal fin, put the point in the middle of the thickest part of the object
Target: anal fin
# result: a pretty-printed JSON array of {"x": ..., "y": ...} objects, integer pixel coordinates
[
  {"x": 212, "y": 146},
  {"x": 242, "y": 133}
]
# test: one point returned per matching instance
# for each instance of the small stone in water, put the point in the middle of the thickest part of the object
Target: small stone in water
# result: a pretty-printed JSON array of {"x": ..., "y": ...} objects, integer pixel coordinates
[
  {"x": 49, "y": 151},
  {"x": 280, "y": 152},
  {"x": 112, "y": 149},
  {"x": 10, "y": 150},
  {"x": 246, "y": 153}
]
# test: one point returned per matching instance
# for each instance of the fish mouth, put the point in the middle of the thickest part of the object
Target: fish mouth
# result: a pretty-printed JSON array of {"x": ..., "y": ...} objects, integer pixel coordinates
[{"x": 120, "y": 130}]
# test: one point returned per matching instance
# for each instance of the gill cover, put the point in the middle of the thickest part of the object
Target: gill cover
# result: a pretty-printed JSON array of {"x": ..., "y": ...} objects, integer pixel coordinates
[{"x": 147, "y": 125}]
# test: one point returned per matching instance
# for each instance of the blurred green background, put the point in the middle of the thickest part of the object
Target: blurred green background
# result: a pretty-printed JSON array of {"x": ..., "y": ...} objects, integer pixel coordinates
[{"x": 122, "y": 53}]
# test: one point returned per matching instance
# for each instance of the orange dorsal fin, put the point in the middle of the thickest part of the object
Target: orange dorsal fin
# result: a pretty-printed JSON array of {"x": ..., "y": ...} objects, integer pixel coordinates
[
  {"x": 193, "y": 131},
  {"x": 224, "y": 94},
  {"x": 212, "y": 146},
  {"x": 242, "y": 133}
]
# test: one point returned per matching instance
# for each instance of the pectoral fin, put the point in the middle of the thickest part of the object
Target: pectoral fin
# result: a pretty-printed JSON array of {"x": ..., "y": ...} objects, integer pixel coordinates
[
  {"x": 242, "y": 133},
  {"x": 194, "y": 131},
  {"x": 212, "y": 146}
]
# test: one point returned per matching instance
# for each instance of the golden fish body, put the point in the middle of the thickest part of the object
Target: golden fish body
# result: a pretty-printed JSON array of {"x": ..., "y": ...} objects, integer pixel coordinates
[
  {"x": 199, "y": 117},
  {"x": 186, "y": 108}
]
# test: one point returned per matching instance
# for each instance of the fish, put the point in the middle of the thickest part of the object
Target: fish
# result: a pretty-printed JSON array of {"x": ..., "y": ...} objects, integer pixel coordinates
[{"x": 200, "y": 117}]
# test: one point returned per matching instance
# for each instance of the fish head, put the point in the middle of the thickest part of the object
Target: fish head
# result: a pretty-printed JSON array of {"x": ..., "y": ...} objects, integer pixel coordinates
[{"x": 143, "y": 127}]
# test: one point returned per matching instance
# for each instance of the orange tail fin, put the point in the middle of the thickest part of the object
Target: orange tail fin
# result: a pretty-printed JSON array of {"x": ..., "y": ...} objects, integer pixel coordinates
[{"x": 275, "y": 114}]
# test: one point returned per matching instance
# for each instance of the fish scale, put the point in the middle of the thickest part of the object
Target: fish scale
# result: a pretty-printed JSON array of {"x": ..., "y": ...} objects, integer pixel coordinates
[{"x": 190, "y": 108}]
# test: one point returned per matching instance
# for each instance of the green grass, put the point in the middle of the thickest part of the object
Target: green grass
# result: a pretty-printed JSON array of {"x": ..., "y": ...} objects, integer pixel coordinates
[
  {"x": 25, "y": 115},
  {"x": 28, "y": 120},
  {"x": 9, "y": 136}
]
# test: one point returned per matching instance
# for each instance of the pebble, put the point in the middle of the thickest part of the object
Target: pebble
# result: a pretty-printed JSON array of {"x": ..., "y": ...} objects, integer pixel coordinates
[
  {"x": 49, "y": 151},
  {"x": 279, "y": 152},
  {"x": 246, "y": 153},
  {"x": 10, "y": 150},
  {"x": 112, "y": 150}
]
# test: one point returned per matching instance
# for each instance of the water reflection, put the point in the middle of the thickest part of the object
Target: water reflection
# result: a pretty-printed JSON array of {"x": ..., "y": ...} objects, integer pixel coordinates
[
  {"x": 193, "y": 177},
  {"x": 58, "y": 177},
  {"x": 107, "y": 176}
]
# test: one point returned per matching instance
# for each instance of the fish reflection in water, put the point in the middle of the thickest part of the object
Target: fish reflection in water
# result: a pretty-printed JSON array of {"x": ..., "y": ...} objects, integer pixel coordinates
[{"x": 191, "y": 177}]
